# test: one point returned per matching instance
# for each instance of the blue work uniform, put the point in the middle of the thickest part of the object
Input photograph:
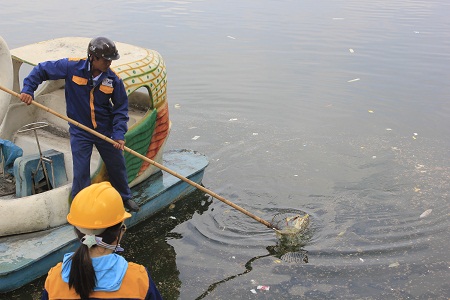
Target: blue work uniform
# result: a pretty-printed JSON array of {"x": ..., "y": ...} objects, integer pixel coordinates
[
  {"x": 115, "y": 279},
  {"x": 101, "y": 105}
]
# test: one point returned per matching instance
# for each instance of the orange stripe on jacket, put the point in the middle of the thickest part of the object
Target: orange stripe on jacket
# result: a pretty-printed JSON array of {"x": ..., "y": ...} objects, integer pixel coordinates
[{"x": 91, "y": 104}]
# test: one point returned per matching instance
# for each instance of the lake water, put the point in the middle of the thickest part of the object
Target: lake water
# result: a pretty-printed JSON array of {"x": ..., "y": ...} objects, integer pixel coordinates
[{"x": 340, "y": 109}]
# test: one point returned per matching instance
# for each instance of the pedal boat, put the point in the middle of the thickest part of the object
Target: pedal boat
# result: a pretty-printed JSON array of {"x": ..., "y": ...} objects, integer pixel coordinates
[{"x": 36, "y": 159}]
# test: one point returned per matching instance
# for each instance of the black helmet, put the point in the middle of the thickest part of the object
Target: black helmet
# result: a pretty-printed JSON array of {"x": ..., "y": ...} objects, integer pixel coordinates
[{"x": 103, "y": 47}]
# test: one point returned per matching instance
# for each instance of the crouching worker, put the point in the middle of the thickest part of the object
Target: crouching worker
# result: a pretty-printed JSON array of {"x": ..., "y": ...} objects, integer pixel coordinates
[{"x": 94, "y": 270}]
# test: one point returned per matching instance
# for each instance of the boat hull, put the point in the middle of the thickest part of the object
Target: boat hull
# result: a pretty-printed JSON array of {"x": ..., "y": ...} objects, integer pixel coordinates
[{"x": 26, "y": 257}]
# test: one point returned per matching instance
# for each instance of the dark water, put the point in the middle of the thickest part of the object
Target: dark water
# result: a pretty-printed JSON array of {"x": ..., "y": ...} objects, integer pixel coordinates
[{"x": 335, "y": 108}]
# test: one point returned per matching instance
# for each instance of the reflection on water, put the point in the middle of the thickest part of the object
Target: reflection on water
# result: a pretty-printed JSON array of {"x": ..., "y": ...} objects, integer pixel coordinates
[
  {"x": 147, "y": 242},
  {"x": 298, "y": 256}
]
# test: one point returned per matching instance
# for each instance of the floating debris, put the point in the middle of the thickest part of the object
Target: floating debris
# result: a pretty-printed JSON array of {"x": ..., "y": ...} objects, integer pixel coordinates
[
  {"x": 231, "y": 37},
  {"x": 351, "y": 50},
  {"x": 255, "y": 133},
  {"x": 263, "y": 287},
  {"x": 233, "y": 119},
  {"x": 177, "y": 106},
  {"x": 370, "y": 111},
  {"x": 353, "y": 80},
  {"x": 388, "y": 129},
  {"x": 338, "y": 18},
  {"x": 196, "y": 137},
  {"x": 253, "y": 291},
  {"x": 426, "y": 213},
  {"x": 362, "y": 260},
  {"x": 173, "y": 218},
  {"x": 394, "y": 265}
]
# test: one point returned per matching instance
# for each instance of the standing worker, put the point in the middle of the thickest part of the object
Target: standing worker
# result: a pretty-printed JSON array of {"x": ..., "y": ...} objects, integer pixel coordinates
[
  {"x": 94, "y": 271},
  {"x": 96, "y": 98}
]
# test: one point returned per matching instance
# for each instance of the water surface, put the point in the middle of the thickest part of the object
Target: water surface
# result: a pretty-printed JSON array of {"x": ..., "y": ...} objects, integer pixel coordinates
[{"x": 339, "y": 109}]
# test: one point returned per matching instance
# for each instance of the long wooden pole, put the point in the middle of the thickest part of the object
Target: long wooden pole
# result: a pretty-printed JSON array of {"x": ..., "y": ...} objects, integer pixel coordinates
[{"x": 145, "y": 158}]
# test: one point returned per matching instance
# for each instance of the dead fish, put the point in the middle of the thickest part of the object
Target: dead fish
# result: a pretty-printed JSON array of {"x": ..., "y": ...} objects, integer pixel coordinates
[
  {"x": 426, "y": 213},
  {"x": 295, "y": 257},
  {"x": 294, "y": 225},
  {"x": 301, "y": 222}
]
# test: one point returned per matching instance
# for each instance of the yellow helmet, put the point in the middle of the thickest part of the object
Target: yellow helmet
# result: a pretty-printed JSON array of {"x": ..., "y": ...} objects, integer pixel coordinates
[{"x": 97, "y": 206}]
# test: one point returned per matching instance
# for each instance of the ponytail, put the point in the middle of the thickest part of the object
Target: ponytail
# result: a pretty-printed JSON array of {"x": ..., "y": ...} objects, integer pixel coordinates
[{"x": 82, "y": 275}]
